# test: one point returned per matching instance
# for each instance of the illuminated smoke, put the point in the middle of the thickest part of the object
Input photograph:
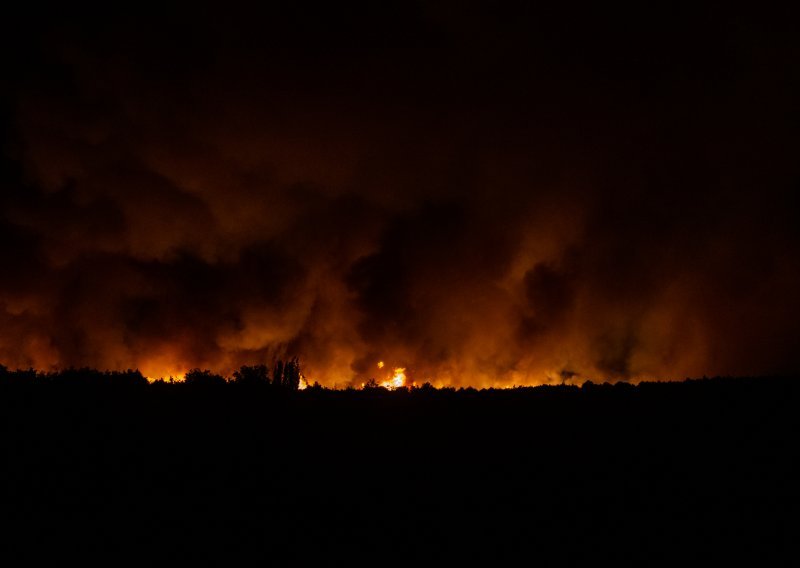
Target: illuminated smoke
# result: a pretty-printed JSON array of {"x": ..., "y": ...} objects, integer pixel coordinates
[{"x": 459, "y": 209}]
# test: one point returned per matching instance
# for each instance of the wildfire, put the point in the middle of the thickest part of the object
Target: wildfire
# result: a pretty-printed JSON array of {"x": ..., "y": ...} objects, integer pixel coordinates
[
  {"x": 397, "y": 380},
  {"x": 380, "y": 364},
  {"x": 177, "y": 376}
]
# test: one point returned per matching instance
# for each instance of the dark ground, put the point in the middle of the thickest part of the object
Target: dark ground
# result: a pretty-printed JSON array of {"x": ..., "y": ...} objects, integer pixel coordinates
[{"x": 701, "y": 471}]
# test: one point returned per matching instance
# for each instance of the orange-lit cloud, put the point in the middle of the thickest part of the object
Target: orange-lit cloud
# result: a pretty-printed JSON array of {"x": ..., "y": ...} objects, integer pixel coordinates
[{"x": 473, "y": 214}]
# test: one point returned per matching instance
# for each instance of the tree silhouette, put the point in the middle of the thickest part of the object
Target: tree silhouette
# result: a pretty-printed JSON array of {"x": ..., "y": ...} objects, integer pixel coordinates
[
  {"x": 287, "y": 374},
  {"x": 205, "y": 378},
  {"x": 251, "y": 375},
  {"x": 372, "y": 384}
]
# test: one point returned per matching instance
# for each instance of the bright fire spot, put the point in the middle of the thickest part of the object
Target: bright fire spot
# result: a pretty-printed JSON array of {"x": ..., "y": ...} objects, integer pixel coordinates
[
  {"x": 380, "y": 364},
  {"x": 303, "y": 384},
  {"x": 175, "y": 376},
  {"x": 397, "y": 381}
]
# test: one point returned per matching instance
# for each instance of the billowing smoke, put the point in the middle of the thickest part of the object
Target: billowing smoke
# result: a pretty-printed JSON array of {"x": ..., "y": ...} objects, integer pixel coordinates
[{"x": 480, "y": 198}]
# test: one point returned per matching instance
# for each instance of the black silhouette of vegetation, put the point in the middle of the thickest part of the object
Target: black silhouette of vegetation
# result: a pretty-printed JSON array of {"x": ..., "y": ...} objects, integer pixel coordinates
[
  {"x": 224, "y": 470},
  {"x": 206, "y": 378},
  {"x": 255, "y": 375}
]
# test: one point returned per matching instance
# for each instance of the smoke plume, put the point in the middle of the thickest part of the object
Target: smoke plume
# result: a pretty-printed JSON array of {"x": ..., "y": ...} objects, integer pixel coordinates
[{"x": 480, "y": 198}]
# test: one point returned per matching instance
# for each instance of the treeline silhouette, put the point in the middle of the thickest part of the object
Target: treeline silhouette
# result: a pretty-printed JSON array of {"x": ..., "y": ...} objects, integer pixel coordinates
[
  {"x": 221, "y": 470},
  {"x": 285, "y": 376}
]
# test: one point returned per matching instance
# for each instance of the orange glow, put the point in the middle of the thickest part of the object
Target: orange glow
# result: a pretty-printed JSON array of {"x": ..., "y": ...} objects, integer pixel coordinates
[
  {"x": 397, "y": 380},
  {"x": 174, "y": 376},
  {"x": 380, "y": 364}
]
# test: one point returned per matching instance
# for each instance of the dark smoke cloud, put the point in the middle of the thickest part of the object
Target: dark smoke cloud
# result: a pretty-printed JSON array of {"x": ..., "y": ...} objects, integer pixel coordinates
[{"x": 481, "y": 196}]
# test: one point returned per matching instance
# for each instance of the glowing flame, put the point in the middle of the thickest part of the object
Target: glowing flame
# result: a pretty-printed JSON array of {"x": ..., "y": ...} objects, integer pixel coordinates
[
  {"x": 303, "y": 384},
  {"x": 397, "y": 380},
  {"x": 380, "y": 364},
  {"x": 170, "y": 376}
]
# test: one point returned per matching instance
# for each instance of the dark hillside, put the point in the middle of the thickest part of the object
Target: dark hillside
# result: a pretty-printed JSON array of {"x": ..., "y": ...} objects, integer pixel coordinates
[{"x": 110, "y": 464}]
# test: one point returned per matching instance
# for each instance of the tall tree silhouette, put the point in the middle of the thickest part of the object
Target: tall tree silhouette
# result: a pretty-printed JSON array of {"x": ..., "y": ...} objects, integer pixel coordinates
[
  {"x": 287, "y": 374},
  {"x": 251, "y": 375},
  {"x": 196, "y": 377}
]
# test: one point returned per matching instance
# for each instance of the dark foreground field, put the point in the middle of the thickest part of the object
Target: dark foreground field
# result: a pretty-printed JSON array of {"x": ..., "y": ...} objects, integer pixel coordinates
[{"x": 229, "y": 474}]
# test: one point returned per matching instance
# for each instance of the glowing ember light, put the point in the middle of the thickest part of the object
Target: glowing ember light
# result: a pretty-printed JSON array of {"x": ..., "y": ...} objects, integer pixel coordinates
[
  {"x": 397, "y": 381},
  {"x": 303, "y": 384},
  {"x": 169, "y": 376},
  {"x": 380, "y": 364}
]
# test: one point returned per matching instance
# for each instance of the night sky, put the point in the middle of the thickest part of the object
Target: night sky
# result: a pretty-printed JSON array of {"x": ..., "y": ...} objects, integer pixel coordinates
[{"x": 482, "y": 194}]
